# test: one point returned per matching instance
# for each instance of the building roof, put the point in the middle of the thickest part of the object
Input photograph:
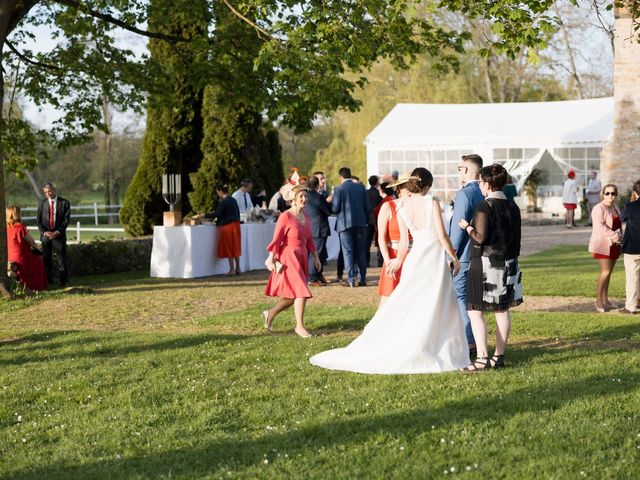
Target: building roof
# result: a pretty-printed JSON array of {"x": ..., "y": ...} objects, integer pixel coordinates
[{"x": 499, "y": 124}]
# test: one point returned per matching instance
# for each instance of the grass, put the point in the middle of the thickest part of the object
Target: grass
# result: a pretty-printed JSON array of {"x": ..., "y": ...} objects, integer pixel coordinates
[{"x": 148, "y": 378}]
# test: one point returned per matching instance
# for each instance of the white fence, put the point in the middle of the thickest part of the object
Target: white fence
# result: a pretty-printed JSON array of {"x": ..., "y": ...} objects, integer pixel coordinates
[{"x": 95, "y": 209}]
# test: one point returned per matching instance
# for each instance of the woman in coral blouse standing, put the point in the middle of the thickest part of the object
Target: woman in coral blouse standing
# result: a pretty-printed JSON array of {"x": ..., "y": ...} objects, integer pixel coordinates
[
  {"x": 389, "y": 238},
  {"x": 287, "y": 261},
  {"x": 30, "y": 267},
  {"x": 604, "y": 244}
]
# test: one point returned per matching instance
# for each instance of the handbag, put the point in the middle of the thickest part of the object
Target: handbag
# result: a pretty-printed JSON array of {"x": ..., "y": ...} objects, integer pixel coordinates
[{"x": 277, "y": 266}]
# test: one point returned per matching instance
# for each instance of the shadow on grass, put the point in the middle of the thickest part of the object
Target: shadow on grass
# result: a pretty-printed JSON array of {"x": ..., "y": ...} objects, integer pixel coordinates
[
  {"x": 217, "y": 457},
  {"x": 99, "y": 346}
]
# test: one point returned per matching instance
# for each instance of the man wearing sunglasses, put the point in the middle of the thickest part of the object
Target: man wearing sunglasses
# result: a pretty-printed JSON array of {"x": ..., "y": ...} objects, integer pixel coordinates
[{"x": 464, "y": 205}]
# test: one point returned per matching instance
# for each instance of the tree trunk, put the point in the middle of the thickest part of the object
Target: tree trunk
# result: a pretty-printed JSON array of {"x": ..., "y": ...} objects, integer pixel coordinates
[
  {"x": 34, "y": 185},
  {"x": 110, "y": 196}
]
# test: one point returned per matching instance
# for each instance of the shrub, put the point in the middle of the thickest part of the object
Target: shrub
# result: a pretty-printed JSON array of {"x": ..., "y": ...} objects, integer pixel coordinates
[{"x": 109, "y": 256}]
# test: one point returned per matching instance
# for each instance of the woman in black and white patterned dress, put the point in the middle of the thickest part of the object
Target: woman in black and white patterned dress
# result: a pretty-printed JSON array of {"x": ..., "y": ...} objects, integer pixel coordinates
[{"x": 495, "y": 281}]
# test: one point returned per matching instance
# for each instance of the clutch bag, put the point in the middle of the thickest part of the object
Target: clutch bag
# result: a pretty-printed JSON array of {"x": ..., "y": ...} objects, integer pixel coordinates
[{"x": 277, "y": 266}]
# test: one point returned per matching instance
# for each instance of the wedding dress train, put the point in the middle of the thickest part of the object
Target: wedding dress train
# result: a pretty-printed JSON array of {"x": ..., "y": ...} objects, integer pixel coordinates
[{"x": 419, "y": 328}]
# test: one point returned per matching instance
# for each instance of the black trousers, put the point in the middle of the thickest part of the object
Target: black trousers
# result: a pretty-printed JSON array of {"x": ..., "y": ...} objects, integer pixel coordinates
[
  {"x": 371, "y": 233},
  {"x": 59, "y": 246}
]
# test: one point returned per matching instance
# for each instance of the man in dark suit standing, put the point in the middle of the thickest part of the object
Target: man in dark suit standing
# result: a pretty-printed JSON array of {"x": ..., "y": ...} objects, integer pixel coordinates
[
  {"x": 319, "y": 211},
  {"x": 54, "y": 215},
  {"x": 351, "y": 204},
  {"x": 374, "y": 200},
  {"x": 630, "y": 216}
]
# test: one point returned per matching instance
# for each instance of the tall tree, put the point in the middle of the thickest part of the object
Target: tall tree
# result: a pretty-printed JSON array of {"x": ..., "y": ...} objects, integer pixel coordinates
[{"x": 174, "y": 115}]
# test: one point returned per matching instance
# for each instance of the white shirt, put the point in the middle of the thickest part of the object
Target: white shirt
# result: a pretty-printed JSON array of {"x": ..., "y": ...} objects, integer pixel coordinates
[
  {"x": 593, "y": 190},
  {"x": 570, "y": 191},
  {"x": 244, "y": 200}
]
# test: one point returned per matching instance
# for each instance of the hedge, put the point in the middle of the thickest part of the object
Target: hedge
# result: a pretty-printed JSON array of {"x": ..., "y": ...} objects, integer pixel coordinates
[{"x": 109, "y": 256}]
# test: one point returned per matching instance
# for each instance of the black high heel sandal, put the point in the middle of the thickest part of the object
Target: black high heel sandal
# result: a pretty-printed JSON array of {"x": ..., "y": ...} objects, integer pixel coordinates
[
  {"x": 480, "y": 364},
  {"x": 497, "y": 361}
]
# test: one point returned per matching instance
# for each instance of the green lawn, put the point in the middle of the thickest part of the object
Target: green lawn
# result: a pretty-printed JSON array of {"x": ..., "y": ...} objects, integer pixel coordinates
[{"x": 211, "y": 395}]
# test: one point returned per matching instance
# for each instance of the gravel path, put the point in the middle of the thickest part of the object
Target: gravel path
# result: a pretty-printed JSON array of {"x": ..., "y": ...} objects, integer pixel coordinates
[{"x": 542, "y": 237}]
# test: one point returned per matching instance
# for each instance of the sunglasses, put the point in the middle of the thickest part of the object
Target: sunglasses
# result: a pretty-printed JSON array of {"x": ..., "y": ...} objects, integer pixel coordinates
[
  {"x": 461, "y": 167},
  {"x": 606, "y": 194}
]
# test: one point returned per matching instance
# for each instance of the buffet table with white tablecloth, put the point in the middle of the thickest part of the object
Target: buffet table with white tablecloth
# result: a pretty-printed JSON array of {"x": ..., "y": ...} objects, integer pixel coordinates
[{"x": 190, "y": 251}]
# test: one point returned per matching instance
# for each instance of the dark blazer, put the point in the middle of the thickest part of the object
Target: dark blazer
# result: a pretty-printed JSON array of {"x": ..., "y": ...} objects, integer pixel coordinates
[
  {"x": 227, "y": 211},
  {"x": 374, "y": 200},
  {"x": 351, "y": 204},
  {"x": 319, "y": 211},
  {"x": 630, "y": 215},
  {"x": 62, "y": 220},
  {"x": 467, "y": 198}
]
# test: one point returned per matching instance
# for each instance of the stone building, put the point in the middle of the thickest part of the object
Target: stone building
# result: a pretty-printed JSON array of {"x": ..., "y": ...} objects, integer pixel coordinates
[{"x": 620, "y": 160}]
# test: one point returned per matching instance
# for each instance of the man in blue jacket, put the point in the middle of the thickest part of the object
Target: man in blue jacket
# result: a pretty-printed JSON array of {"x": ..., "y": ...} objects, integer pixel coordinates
[
  {"x": 466, "y": 200},
  {"x": 351, "y": 204},
  {"x": 319, "y": 211}
]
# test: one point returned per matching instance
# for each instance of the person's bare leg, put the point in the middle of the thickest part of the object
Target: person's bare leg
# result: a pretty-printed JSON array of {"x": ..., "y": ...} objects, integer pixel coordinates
[
  {"x": 230, "y": 260},
  {"x": 604, "y": 272},
  {"x": 282, "y": 304},
  {"x": 479, "y": 328},
  {"x": 238, "y": 272},
  {"x": 298, "y": 310},
  {"x": 605, "y": 299},
  {"x": 503, "y": 324}
]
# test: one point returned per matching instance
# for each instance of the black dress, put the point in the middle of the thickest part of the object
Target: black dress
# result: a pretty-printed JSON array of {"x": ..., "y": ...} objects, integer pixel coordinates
[{"x": 495, "y": 280}]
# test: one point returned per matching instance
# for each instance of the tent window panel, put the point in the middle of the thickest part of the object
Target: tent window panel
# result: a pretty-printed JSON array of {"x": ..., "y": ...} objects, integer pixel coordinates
[
  {"x": 424, "y": 158},
  {"x": 384, "y": 156},
  {"x": 515, "y": 153},
  {"x": 465, "y": 152},
  {"x": 593, "y": 153},
  {"x": 563, "y": 153},
  {"x": 411, "y": 157},
  {"x": 438, "y": 168},
  {"x": 453, "y": 155},
  {"x": 530, "y": 152},
  {"x": 593, "y": 165},
  {"x": 500, "y": 154},
  {"x": 452, "y": 168},
  {"x": 577, "y": 153},
  {"x": 384, "y": 167},
  {"x": 453, "y": 184},
  {"x": 439, "y": 155}
]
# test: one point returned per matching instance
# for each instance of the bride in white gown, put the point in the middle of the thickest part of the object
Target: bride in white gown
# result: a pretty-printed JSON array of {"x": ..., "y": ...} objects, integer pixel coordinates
[{"x": 418, "y": 329}]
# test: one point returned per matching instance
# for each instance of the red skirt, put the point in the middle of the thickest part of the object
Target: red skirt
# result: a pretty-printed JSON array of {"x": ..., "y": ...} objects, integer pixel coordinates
[
  {"x": 387, "y": 284},
  {"x": 229, "y": 240},
  {"x": 614, "y": 253},
  {"x": 570, "y": 206}
]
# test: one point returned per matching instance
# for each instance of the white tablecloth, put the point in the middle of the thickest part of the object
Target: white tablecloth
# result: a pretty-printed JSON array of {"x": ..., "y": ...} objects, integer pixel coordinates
[{"x": 190, "y": 251}]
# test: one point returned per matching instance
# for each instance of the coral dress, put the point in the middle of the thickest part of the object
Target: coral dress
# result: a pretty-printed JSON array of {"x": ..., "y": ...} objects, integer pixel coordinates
[
  {"x": 388, "y": 284},
  {"x": 31, "y": 272},
  {"x": 291, "y": 245}
]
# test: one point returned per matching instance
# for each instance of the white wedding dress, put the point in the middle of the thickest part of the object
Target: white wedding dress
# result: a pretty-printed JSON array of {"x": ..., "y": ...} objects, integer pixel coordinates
[{"x": 419, "y": 328}]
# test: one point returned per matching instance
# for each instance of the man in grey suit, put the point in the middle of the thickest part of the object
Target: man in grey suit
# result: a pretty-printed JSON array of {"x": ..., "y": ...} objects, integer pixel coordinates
[
  {"x": 319, "y": 211},
  {"x": 466, "y": 200},
  {"x": 351, "y": 204}
]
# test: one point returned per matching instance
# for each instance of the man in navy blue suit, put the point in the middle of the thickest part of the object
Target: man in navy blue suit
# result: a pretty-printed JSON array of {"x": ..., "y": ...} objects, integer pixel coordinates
[
  {"x": 319, "y": 211},
  {"x": 464, "y": 206},
  {"x": 351, "y": 204}
]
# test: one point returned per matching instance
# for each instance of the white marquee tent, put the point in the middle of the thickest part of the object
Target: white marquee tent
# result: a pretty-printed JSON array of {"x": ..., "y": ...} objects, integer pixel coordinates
[{"x": 551, "y": 136}]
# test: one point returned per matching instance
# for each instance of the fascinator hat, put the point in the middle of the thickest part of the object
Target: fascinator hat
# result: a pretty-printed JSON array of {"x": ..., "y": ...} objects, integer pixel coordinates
[{"x": 292, "y": 187}]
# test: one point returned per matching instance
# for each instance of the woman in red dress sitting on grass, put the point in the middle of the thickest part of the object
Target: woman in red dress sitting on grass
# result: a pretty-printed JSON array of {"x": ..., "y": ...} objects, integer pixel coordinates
[
  {"x": 287, "y": 261},
  {"x": 30, "y": 267}
]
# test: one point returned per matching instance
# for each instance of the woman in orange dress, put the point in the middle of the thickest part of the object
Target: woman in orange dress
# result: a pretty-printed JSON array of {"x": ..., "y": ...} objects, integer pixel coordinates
[
  {"x": 227, "y": 217},
  {"x": 30, "y": 267},
  {"x": 287, "y": 261},
  {"x": 389, "y": 239}
]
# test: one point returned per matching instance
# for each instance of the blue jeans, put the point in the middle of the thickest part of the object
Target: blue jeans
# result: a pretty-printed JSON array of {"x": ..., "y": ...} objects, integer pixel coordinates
[
  {"x": 460, "y": 284},
  {"x": 353, "y": 241},
  {"x": 321, "y": 247}
]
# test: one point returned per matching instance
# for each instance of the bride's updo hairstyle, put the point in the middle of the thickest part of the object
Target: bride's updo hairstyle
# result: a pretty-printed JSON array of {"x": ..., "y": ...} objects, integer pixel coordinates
[
  {"x": 420, "y": 179},
  {"x": 495, "y": 175}
]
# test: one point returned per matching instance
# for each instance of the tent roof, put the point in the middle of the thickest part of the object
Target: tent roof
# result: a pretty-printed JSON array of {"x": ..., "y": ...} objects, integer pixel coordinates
[{"x": 499, "y": 124}]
